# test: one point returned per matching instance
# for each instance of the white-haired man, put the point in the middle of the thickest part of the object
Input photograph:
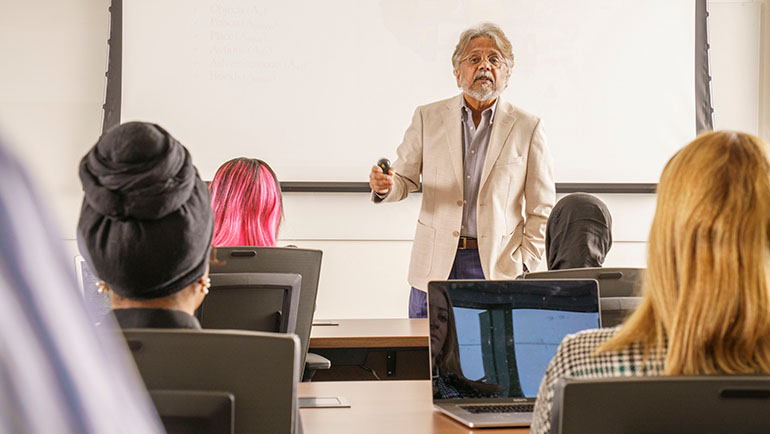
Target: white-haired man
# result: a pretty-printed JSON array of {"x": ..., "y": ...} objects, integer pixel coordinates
[{"x": 487, "y": 182}]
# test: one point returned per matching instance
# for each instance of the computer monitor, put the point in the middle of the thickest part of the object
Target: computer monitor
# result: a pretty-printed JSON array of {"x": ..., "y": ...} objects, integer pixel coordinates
[
  {"x": 305, "y": 262},
  {"x": 266, "y": 302},
  {"x": 195, "y": 412},
  {"x": 613, "y": 281},
  {"x": 619, "y": 288},
  {"x": 98, "y": 305},
  {"x": 261, "y": 370}
]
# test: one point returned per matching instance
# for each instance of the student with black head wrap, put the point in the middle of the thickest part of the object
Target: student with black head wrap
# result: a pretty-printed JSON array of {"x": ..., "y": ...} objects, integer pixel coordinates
[
  {"x": 146, "y": 226},
  {"x": 578, "y": 233}
]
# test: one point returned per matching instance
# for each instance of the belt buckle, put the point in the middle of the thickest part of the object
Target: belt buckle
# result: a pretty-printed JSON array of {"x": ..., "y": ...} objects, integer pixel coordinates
[{"x": 462, "y": 243}]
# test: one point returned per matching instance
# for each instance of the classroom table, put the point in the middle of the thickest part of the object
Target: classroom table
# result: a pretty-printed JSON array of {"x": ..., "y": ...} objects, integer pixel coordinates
[
  {"x": 387, "y": 407},
  {"x": 370, "y": 333},
  {"x": 372, "y": 349}
]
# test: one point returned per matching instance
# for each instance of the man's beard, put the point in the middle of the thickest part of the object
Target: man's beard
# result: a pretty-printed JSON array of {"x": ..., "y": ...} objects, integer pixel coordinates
[{"x": 487, "y": 94}]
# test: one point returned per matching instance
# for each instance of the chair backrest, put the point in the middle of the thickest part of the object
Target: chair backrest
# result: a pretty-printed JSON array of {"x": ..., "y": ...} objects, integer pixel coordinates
[
  {"x": 619, "y": 288},
  {"x": 260, "y": 369},
  {"x": 262, "y": 302},
  {"x": 195, "y": 412},
  {"x": 305, "y": 262},
  {"x": 704, "y": 405}
]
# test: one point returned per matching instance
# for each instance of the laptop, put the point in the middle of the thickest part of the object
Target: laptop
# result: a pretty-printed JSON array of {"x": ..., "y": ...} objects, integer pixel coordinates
[{"x": 493, "y": 341}]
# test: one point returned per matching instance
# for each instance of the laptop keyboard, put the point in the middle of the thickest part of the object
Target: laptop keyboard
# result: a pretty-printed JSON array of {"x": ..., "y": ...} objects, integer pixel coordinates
[{"x": 499, "y": 408}]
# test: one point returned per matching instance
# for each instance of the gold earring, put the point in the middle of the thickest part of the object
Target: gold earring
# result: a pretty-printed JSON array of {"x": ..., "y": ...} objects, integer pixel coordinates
[
  {"x": 206, "y": 285},
  {"x": 101, "y": 287}
]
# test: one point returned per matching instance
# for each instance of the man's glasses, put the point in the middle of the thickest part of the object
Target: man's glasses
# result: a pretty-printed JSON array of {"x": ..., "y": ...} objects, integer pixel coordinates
[{"x": 495, "y": 60}]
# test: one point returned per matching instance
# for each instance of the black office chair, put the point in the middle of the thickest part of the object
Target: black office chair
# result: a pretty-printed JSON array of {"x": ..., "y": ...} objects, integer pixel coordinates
[
  {"x": 618, "y": 288},
  {"x": 305, "y": 262},
  {"x": 260, "y": 370},
  {"x": 645, "y": 405}
]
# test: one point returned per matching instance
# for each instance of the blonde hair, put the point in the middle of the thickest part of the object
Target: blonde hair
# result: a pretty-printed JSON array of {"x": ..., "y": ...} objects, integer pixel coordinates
[{"x": 706, "y": 292}]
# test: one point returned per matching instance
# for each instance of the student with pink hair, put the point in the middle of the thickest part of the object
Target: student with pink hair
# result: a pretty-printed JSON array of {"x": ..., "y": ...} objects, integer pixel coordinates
[{"x": 247, "y": 203}]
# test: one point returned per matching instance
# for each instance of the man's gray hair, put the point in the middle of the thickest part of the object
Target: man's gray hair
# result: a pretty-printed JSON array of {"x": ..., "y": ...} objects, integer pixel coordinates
[{"x": 490, "y": 30}]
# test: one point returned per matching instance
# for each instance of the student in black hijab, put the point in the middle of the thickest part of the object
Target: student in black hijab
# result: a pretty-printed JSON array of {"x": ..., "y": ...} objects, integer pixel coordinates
[
  {"x": 146, "y": 225},
  {"x": 578, "y": 233}
]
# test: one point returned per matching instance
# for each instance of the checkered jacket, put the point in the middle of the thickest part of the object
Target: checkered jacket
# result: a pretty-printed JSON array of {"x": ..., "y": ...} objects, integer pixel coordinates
[{"x": 575, "y": 359}]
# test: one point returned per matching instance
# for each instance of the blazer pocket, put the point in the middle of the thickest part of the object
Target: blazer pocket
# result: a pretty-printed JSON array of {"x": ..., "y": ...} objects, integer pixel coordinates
[
  {"x": 504, "y": 161},
  {"x": 509, "y": 263}
]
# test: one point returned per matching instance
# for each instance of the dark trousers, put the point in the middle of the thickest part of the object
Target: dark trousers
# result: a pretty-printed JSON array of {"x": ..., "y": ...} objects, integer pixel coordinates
[{"x": 467, "y": 265}]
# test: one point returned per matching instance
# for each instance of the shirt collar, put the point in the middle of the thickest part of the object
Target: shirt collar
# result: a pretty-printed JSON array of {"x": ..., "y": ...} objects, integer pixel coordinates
[
  {"x": 465, "y": 111},
  {"x": 155, "y": 318}
]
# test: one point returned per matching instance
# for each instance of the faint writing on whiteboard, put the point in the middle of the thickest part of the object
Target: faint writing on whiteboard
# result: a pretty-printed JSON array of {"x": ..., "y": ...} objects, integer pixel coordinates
[{"x": 235, "y": 45}]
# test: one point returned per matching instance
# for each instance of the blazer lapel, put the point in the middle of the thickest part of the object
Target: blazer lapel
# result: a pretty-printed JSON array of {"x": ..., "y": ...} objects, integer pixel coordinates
[
  {"x": 501, "y": 128},
  {"x": 452, "y": 127}
]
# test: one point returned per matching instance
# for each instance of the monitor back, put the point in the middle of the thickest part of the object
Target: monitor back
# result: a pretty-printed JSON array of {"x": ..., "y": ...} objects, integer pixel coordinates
[
  {"x": 704, "y": 405},
  {"x": 260, "y": 369},
  {"x": 266, "y": 302},
  {"x": 195, "y": 412},
  {"x": 619, "y": 288},
  {"x": 613, "y": 281},
  {"x": 305, "y": 262},
  {"x": 98, "y": 305}
]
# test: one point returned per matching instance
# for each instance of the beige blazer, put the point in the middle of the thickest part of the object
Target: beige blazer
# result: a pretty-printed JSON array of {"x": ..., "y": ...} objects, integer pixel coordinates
[{"x": 516, "y": 192}]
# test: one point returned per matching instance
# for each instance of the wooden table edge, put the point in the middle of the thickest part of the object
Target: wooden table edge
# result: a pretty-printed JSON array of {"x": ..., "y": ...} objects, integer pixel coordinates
[{"x": 370, "y": 342}]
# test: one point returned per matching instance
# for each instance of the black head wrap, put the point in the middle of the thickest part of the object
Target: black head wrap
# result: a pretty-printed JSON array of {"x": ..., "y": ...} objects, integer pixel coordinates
[
  {"x": 146, "y": 221},
  {"x": 578, "y": 233}
]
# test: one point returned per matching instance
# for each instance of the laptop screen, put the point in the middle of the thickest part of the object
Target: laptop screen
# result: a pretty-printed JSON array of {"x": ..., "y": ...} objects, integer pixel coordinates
[{"x": 496, "y": 338}]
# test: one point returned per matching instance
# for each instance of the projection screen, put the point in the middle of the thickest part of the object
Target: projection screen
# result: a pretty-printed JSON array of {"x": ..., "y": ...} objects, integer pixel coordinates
[{"x": 322, "y": 89}]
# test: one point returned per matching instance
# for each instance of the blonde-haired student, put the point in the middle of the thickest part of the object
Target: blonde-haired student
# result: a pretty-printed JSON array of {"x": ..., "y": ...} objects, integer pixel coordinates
[{"x": 706, "y": 301}]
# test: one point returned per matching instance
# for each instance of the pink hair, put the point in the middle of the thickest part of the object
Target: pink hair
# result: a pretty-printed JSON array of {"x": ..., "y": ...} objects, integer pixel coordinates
[{"x": 247, "y": 203}]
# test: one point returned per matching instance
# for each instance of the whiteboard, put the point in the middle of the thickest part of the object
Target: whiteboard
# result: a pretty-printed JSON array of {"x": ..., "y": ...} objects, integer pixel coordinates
[{"x": 322, "y": 89}]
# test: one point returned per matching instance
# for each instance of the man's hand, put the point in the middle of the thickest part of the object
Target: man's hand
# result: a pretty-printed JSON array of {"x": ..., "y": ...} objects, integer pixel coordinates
[{"x": 380, "y": 182}]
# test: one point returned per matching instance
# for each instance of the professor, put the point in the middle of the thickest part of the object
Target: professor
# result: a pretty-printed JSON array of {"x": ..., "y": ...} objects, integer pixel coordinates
[{"x": 487, "y": 181}]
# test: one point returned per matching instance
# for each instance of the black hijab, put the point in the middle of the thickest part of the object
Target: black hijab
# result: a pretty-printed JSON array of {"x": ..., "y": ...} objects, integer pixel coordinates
[
  {"x": 146, "y": 221},
  {"x": 578, "y": 233}
]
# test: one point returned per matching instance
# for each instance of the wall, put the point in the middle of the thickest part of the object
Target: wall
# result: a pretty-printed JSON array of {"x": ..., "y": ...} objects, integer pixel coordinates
[
  {"x": 764, "y": 72},
  {"x": 365, "y": 265},
  {"x": 51, "y": 91},
  {"x": 735, "y": 38}
]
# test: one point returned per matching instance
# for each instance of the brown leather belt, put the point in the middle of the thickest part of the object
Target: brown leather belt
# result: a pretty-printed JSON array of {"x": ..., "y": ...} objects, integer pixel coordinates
[{"x": 466, "y": 243}]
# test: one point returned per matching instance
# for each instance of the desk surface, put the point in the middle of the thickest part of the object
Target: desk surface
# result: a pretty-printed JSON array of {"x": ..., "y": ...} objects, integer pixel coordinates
[
  {"x": 387, "y": 407},
  {"x": 371, "y": 333}
]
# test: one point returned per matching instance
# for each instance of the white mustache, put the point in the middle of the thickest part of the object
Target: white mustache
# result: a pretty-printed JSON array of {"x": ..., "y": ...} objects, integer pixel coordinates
[{"x": 484, "y": 74}]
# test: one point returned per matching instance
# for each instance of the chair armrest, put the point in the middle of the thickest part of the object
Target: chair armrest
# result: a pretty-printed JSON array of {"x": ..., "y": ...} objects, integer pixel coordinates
[{"x": 314, "y": 361}]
